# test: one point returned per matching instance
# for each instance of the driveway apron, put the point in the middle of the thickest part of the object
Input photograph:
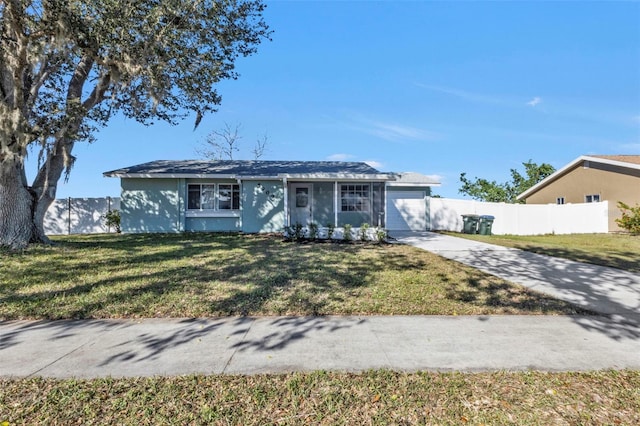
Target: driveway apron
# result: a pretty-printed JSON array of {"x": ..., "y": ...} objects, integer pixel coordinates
[{"x": 601, "y": 289}]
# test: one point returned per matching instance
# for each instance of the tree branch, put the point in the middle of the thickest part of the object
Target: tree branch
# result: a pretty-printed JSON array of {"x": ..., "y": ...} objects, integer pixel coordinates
[{"x": 97, "y": 94}]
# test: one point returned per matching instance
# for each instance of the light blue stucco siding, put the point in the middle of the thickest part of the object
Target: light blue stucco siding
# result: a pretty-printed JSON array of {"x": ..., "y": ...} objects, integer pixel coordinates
[
  {"x": 262, "y": 206},
  {"x": 150, "y": 205},
  {"x": 213, "y": 224},
  {"x": 424, "y": 189}
]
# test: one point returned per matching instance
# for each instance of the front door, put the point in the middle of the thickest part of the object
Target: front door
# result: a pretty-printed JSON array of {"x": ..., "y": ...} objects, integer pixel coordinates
[{"x": 300, "y": 202}]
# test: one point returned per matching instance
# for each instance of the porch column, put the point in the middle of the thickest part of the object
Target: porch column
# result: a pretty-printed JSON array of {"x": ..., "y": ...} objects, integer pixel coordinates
[
  {"x": 384, "y": 205},
  {"x": 286, "y": 201},
  {"x": 335, "y": 204}
]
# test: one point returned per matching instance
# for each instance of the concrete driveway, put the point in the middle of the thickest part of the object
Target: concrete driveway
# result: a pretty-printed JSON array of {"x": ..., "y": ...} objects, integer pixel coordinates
[{"x": 605, "y": 290}]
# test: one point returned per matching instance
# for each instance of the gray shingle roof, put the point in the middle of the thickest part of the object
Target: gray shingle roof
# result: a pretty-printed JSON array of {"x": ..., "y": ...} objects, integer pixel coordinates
[
  {"x": 245, "y": 168},
  {"x": 408, "y": 178}
]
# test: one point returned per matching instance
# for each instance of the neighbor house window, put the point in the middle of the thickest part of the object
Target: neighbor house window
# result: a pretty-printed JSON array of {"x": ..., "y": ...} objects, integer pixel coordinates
[
  {"x": 355, "y": 198},
  {"x": 593, "y": 198},
  {"x": 213, "y": 197},
  {"x": 560, "y": 200}
]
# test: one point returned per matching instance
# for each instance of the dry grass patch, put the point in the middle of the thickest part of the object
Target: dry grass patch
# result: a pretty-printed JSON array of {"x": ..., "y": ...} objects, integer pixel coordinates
[
  {"x": 375, "y": 397},
  {"x": 202, "y": 275}
]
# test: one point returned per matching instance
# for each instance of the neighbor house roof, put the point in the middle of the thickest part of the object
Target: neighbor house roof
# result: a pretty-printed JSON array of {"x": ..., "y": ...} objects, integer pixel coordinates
[
  {"x": 241, "y": 169},
  {"x": 626, "y": 161},
  {"x": 632, "y": 159}
]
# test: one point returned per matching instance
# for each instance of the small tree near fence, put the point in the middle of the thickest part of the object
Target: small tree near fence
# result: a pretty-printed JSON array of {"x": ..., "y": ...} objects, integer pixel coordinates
[
  {"x": 630, "y": 220},
  {"x": 112, "y": 220}
]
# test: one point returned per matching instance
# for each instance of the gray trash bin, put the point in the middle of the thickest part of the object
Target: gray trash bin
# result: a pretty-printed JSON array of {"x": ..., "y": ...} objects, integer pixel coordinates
[
  {"x": 470, "y": 223},
  {"x": 484, "y": 224}
]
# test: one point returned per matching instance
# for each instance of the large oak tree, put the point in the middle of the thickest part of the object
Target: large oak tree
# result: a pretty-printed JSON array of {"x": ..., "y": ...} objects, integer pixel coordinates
[{"x": 66, "y": 66}]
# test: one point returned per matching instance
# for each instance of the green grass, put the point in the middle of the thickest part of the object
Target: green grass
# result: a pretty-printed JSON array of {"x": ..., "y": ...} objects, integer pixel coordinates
[
  {"x": 321, "y": 398},
  {"x": 201, "y": 275},
  {"x": 620, "y": 251}
]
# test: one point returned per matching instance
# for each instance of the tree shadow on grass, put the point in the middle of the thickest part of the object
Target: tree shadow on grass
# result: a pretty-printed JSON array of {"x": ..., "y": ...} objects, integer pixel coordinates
[{"x": 479, "y": 290}]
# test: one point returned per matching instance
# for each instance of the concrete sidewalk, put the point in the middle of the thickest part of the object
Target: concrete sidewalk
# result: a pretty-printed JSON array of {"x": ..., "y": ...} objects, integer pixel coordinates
[
  {"x": 99, "y": 348},
  {"x": 598, "y": 288}
]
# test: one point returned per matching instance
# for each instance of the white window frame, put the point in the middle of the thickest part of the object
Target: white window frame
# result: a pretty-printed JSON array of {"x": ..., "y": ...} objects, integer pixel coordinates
[
  {"x": 353, "y": 199},
  {"x": 216, "y": 211},
  {"x": 592, "y": 198}
]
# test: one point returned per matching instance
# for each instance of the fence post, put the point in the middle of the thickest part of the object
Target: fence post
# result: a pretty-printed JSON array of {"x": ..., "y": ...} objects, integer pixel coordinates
[
  {"x": 108, "y": 210},
  {"x": 68, "y": 215}
]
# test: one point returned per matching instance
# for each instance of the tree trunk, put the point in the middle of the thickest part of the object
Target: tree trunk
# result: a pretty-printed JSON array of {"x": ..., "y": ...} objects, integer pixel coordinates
[
  {"x": 45, "y": 185},
  {"x": 42, "y": 204},
  {"x": 16, "y": 209}
]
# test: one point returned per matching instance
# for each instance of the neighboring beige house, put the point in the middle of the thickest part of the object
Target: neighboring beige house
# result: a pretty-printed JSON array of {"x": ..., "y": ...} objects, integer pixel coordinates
[{"x": 589, "y": 179}]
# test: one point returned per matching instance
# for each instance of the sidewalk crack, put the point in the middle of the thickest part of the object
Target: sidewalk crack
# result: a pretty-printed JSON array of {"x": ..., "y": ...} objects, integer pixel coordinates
[
  {"x": 59, "y": 358},
  {"x": 226, "y": 365}
]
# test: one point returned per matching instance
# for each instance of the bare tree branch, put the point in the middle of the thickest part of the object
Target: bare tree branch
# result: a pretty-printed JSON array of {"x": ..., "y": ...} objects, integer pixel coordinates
[
  {"x": 222, "y": 144},
  {"x": 260, "y": 147}
]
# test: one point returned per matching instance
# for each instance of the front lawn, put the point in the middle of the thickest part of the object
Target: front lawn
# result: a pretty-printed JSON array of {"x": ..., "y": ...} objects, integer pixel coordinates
[
  {"x": 321, "y": 398},
  {"x": 202, "y": 275},
  {"x": 620, "y": 251}
]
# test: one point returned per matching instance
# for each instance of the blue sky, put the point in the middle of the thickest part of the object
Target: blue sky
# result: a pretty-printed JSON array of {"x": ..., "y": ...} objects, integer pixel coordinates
[{"x": 438, "y": 88}]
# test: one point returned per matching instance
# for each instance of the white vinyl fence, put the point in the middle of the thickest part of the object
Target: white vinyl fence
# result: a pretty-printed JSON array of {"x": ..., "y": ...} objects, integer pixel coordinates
[
  {"x": 522, "y": 219},
  {"x": 79, "y": 215}
]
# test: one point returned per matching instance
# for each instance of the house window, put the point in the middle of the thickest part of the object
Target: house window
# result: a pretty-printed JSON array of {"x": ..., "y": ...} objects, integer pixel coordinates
[
  {"x": 228, "y": 197},
  {"x": 355, "y": 198},
  {"x": 593, "y": 198},
  {"x": 560, "y": 200},
  {"x": 302, "y": 197},
  {"x": 205, "y": 197}
]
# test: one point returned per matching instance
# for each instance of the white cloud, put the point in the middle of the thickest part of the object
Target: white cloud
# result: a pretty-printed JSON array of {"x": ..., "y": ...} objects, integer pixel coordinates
[
  {"x": 390, "y": 131},
  {"x": 396, "y": 132},
  {"x": 629, "y": 148},
  {"x": 535, "y": 101},
  {"x": 339, "y": 157},
  {"x": 506, "y": 101},
  {"x": 464, "y": 94},
  {"x": 393, "y": 132},
  {"x": 375, "y": 164}
]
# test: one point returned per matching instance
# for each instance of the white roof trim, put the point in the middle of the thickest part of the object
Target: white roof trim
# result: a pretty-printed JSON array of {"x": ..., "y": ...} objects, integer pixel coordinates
[{"x": 570, "y": 166}]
